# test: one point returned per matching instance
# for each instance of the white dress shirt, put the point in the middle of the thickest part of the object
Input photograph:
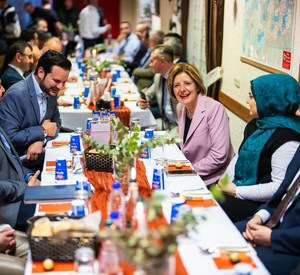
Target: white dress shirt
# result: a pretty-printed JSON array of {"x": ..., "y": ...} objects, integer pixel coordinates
[
  {"x": 41, "y": 98},
  {"x": 129, "y": 47},
  {"x": 89, "y": 23}
]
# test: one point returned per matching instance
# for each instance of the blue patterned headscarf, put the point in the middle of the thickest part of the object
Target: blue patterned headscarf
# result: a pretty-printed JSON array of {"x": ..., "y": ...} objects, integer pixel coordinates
[{"x": 277, "y": 99}]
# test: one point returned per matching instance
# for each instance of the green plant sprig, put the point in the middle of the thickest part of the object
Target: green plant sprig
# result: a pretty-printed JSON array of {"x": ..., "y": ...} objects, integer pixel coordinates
[
  {"x": 127, "y": 148},
  {"x": 160, "y": 242}
]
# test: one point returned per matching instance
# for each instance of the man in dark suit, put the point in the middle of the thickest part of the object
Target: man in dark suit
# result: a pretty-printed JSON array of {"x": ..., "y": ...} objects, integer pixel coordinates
[
  {"x": 13, "y": 244},
  {"x": 279, "y": 247},
  {"x": 19, "y": 59},
  {"x": 13, "y": 178},
  {"x": 29, "y": 114},
  {"x": 161, "y": 61}
]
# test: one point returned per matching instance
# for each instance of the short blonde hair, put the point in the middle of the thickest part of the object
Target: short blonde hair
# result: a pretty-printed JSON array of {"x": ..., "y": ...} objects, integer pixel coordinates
[{"x": 190, "y": 70}]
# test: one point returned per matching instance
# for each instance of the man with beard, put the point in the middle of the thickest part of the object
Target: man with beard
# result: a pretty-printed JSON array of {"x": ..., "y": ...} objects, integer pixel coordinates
[
  {"x": 127, "y": 43},
  {"x": 29, "y": 113}
]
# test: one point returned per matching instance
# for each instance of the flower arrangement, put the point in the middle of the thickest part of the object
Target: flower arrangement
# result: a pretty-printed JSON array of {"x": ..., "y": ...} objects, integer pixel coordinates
[{"x": 127, "y": 147}]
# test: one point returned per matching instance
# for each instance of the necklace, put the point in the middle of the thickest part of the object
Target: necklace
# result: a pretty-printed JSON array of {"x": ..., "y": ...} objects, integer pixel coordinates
[{"x": 189, "y": 116}]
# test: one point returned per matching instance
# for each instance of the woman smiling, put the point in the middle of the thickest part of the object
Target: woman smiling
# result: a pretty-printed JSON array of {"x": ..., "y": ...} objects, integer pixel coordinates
[
  {"x": 202, "y": 122},
  {"x": 270, "y": 142}
]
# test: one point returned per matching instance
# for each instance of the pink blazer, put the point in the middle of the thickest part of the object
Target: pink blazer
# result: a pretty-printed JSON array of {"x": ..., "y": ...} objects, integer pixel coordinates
[{"x": 207, "y": 146}]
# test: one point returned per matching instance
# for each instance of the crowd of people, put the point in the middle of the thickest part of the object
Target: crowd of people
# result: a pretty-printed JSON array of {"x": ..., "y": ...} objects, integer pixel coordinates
[{"x": 260, "y": 174}]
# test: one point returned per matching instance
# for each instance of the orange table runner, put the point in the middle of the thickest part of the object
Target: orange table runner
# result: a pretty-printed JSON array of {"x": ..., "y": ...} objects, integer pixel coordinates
[{"x": 123, "y": 113}]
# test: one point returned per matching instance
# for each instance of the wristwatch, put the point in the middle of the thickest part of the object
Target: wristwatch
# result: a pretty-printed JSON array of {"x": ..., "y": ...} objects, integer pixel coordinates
[{"x": 45, "y": 131}]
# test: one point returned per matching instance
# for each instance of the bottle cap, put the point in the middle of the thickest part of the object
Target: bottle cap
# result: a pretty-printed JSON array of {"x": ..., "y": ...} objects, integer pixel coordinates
[
  {"x": 114, "y": 215},
  {"x": 116, "y": 185}
]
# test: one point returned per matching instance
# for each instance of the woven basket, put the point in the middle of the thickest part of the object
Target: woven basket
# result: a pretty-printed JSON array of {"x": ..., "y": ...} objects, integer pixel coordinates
[
  {"x": 98, "y": 162},
  {"x": 62, "y": 249}
]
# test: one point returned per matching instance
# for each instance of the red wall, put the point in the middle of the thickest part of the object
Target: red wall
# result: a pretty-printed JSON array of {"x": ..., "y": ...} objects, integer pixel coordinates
[{"x": 111, "y": 10}]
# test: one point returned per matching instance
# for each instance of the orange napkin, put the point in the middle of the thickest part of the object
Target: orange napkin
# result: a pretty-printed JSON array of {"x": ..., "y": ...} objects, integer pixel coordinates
[
  {"x": 53, "y": 208},
  {"x": 223, "y": 262},
  {"x": 201, "y": 203},
  {"x": 37, "y": 267}
]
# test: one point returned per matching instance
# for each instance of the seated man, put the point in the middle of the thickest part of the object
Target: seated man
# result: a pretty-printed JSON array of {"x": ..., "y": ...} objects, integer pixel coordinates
[
  {"x": 19, "y": 59},
  {"x": 29, "y": 114},
  {"x": 13, "y": 251},
  {"x": 127, "y": 43},
  {"x": 161, "y": 61},
  {"x": 274, "y": 231},
  {"x": 52, "y": 43},
  {"x": 13, "y": 178}
]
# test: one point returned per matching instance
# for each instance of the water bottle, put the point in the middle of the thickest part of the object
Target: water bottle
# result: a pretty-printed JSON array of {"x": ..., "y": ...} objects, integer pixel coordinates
[
  {"x": 116, "y": 205},
  {"x": 104, "y": 118},
  {"x": 109, "y": 258},
  {"x": 95, "y": 115}
]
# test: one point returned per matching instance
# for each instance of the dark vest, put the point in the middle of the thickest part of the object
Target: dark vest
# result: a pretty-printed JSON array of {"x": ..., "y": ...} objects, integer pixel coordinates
[{"x": 279, "y": 137}]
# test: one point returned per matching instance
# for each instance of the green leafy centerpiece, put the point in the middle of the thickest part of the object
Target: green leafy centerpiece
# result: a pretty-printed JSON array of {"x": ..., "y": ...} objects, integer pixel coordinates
[
  {"x": 128, "y": 147},
  {"x": 150, "y": 253}
]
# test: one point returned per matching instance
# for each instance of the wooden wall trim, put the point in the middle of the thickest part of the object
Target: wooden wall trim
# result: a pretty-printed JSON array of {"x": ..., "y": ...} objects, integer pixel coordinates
[{"x": 235, "y": 107}]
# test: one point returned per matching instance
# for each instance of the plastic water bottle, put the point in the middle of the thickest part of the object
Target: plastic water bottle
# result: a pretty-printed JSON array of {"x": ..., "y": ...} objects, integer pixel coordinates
[
  {"x": 104, "y": 117},
  {"x": 116, "y": 205},
  {"x": 95, "y": 115},
  {"x": 109, "y": 257}
]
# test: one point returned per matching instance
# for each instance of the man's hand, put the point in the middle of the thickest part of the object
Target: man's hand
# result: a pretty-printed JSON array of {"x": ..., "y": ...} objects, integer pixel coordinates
[
  {"x": 261, "y": 235},
  {"x": 143, "y": 103},
  {"x": 51, "y": 127},
  {"x": 7, "y": 240},
  {"x": 108, "y": 27},
  {"x": 34, "y": 150},
  {"x": 256, "y": 220},
  {"x": 121, "y": 37},
  {"x": 33, "y": 180}
]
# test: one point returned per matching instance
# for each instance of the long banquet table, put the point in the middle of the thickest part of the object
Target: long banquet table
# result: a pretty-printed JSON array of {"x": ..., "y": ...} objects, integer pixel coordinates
[
  {"x": 216, "y": 231},
  {"x": 72, "y": 118}
]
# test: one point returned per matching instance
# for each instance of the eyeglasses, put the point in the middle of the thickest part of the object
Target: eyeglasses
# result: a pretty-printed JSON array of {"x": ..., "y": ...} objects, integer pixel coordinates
[{"x": 30, "y": 56}]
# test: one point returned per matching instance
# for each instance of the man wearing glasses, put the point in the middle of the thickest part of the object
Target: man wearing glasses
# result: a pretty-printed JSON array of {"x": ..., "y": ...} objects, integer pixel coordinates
[{"x": 18, "y": 60}]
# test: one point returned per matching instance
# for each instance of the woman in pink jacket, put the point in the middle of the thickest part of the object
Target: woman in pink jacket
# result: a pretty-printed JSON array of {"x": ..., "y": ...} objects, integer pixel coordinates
[{"x": 202, "y": 122}]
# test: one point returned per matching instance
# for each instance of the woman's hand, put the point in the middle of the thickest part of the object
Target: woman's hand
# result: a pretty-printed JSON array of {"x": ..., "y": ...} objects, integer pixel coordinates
[{"x": 228, "y": 189}]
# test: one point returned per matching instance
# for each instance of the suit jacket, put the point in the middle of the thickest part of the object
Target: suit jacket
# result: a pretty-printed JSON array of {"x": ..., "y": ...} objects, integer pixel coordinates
[
  {"x": 207, "y": 146},
  {"x": 12, "y": 183},
  {"x": 10, "y": 77},
  {"x": 285, "y": 238},
  {"x": 20, "y": 115},
  {"x": 156, "y": 91}
]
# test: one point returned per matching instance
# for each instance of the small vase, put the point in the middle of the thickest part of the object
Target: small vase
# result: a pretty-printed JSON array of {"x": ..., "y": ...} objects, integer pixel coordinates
[{"x": 159, "y": 266}]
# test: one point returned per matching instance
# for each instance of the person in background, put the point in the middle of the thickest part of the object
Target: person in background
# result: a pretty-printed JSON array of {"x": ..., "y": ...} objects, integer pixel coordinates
[
  {"x": 50, "y": 16},
  {"x": 18, "y": 60},
  {"x": 46, "y": 4},
  {"x": 10, "y": 23},
  {"x": 127, "y": 43},
  {"x": 69, "y": 17},
  {"x": 43, "y": 37},
  {"x": 52, "y": 43},
  {"x": 41, "y": 24},
  {"x": 36, "y": 53},
  {"x": 142, "y": 32},
  {"x": 202, "y": 123},
  {"x": 274, "y": 229},
  {"x": 30, "y": 35},
  {"x": 176, "y": 45},
  {"x": 161, "y": 61},
  {"x": 37, "y": 118},
  {"x": 92, "y": 24},
  {"x": 271, "y": 139},
  {"x": 143, "y": 75}
]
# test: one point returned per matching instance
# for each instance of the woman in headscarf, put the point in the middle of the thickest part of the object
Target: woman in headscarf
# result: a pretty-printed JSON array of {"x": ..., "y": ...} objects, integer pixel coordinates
[{"x": 270, "y": 142}]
